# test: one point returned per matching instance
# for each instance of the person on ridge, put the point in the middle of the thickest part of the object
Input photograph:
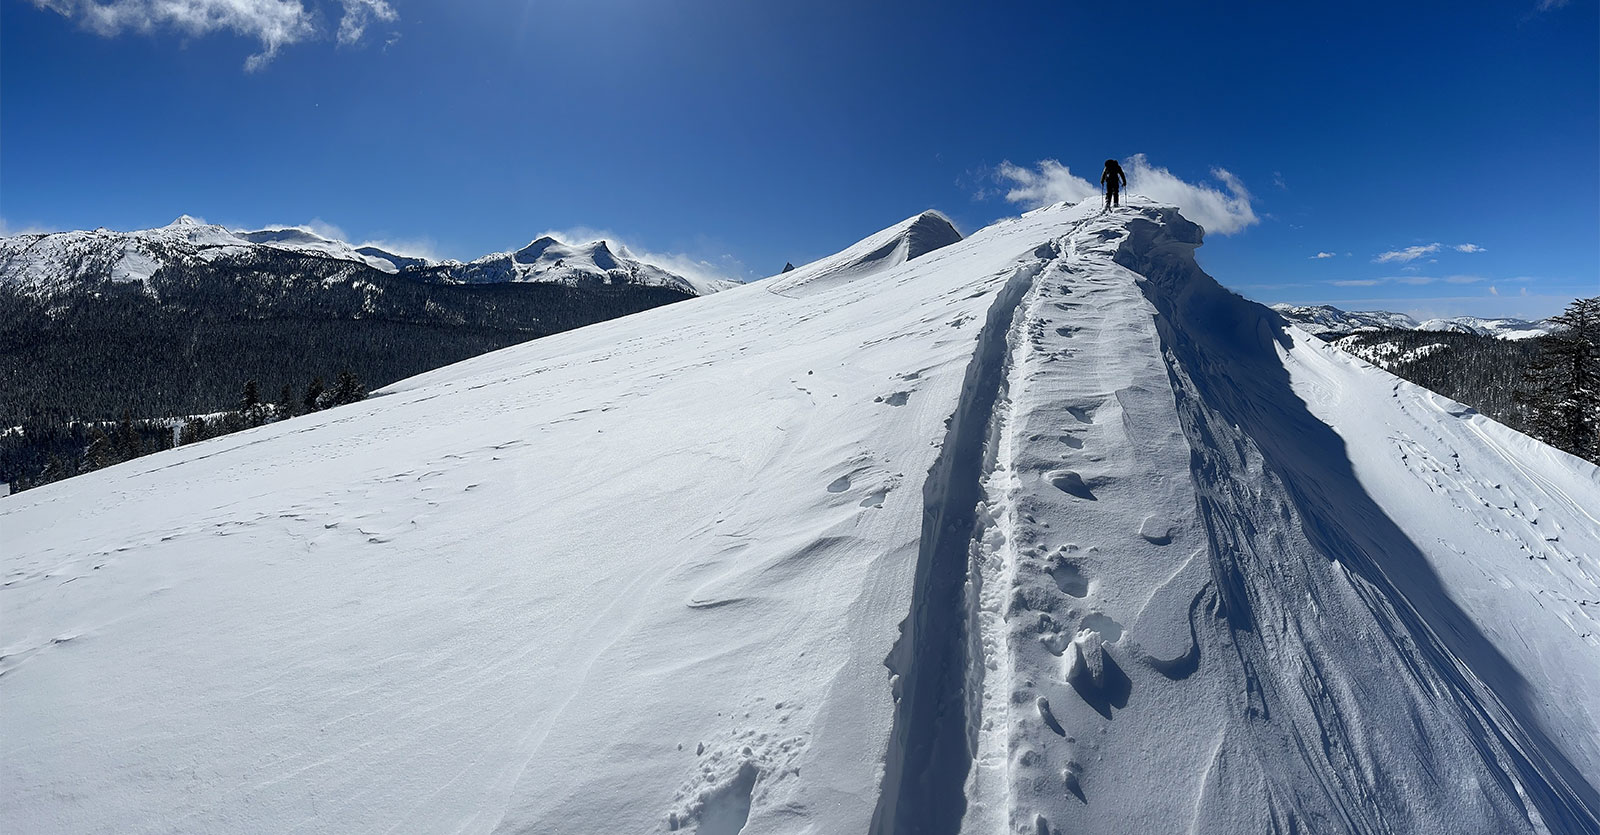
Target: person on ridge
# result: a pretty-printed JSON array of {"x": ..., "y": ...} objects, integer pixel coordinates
[{"x": 1113, "y": 179}]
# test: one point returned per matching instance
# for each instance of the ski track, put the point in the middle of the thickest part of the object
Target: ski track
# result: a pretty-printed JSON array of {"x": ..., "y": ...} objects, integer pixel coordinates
[
  {"x": 1146, "y": 538},
  {"x": 1088, "y": 639}
]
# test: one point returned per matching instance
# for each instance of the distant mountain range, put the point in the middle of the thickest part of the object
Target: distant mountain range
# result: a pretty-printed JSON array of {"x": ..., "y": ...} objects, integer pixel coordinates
[
  {"x": 46, "y": 265},
  {"x": 175, "y": 320},
  {"x": 1326, "y": 320}
]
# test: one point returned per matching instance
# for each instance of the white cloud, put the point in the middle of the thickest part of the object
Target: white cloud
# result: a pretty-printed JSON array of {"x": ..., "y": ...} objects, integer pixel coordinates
[
  {"x": 722, "y": 267},
  {"x": 1321, "y": 255},
  {"x": 1217, "y": 211},
  {"x": 274, "y": 23},
  {"x": 358, "y": 14},
  {"x": 1222, "y": 211},
  {"x": 1547, "y": 5},
  {"x": 1410, "y": 253},
  {"x": 1051, "y": 183},
  {"x": 1413, "y": 280},
  {"x": 1494, "y": 291}
]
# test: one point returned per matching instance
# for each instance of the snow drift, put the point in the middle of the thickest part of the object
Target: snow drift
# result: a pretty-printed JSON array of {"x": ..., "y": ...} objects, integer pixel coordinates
[{"x": 1038, "y": 531}]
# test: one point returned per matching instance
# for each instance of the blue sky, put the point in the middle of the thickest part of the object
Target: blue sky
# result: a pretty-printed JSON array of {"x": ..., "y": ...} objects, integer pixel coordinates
[{"x": 740, "y": 134}]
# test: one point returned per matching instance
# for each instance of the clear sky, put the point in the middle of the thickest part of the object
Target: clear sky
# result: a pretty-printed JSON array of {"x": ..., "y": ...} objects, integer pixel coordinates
[{"x": 1443, "y": 157}]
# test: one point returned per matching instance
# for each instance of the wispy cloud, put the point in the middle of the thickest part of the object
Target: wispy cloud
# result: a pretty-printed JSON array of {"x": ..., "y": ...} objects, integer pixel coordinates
[
  {"x": 1223, "y": 210},
  {"x": 358, "y": 14},
  {"x": 274, "y": 23},
  {"x": 1412, "y": 253},
  {"x": 411, "y": 247},
  {"x": 1321, "y": 255},
  {"x": 1547, "y": 5},
  {"x": 1050, "y": 183},
  {"x": 7, "y": 230},
  {"x": 1413, "y": 280}
]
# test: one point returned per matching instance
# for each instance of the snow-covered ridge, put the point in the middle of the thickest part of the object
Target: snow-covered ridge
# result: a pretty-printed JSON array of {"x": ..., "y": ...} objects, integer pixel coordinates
[
  {"x": 1323, "y": 320},
  {"x": 46, "y": 264},
  {"x": 1499, "y": 328},
  {"x": 909, "y": 239},
  {"x": 1042, "y": 531},
  {"x": 550, "y": 261}
]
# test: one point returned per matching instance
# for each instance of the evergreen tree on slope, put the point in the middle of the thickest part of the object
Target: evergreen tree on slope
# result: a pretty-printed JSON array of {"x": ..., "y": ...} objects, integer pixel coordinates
[{"x": 1562, "y": 386}]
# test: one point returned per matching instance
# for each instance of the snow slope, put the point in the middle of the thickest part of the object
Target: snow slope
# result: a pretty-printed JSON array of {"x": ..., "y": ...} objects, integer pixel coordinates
[{"x": 647, "y": 576}]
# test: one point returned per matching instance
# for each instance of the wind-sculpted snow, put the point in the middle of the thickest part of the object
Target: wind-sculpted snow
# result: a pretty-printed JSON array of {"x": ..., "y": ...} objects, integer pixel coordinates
[
  {"x": 1038, "y": 532},
  {"x": 905, "y": 241}
]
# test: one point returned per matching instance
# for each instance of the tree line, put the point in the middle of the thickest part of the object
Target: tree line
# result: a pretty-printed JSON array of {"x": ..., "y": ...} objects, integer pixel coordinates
[
  {"x": 39, "y": 453},
  {"x": 179, "y": 344},
  {"x": 1548, "y": 387}
]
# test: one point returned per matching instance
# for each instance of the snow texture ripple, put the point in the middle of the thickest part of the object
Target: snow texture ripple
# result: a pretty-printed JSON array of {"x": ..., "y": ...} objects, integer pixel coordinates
[{"x": 1139, "y": 556}]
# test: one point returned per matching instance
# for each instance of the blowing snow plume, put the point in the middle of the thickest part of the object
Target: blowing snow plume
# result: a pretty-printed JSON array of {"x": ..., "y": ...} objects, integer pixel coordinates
[{"x": 1163, "y": 562}]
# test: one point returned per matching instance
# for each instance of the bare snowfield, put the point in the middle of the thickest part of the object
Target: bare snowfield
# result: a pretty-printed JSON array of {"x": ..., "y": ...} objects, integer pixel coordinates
[{"x": 650, "y": 576}]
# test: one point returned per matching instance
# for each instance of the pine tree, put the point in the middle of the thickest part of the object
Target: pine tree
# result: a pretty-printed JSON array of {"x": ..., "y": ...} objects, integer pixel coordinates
[
  {"x": 130, "y": 444},
  {"x": 251, "y": 409},
  {"x": 347, "y": 389},
  {"x": 194, "y": 429},
  {"x": 1561, "y": 389},
  {"x": 286, "y": 402},
  {"x": 313, "y": 399},
  {"x": 102, "y": 451}
]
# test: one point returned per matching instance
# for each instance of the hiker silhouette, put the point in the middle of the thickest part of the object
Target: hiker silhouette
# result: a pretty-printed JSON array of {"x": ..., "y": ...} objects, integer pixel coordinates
[{"x": 1113, "y": 179}]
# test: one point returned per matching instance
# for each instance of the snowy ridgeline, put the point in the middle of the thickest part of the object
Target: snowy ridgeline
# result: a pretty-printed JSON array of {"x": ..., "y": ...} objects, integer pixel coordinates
[
  {"x": 1327, "y": 320},
  {"x": 47, "y": 265},
  {"x": 1037, "y": 532}
]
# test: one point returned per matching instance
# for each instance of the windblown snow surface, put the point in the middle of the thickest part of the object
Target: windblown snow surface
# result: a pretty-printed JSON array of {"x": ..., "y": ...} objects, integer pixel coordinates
[{"x": 1037, "y": 532}]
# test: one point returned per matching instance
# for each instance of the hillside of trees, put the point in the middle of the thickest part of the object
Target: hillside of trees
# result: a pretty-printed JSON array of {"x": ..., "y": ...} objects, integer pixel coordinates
[
  {"x": 140, "y": 357},
  {"x": 1547, "y": 387}
]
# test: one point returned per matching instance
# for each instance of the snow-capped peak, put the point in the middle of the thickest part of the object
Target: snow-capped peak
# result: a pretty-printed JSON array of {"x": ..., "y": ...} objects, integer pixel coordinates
[
  {"x": 1323, "y": 320},
  {"x": 909, "y": 239},
  {"x": 549, "y": 260},
  {"x": 302, "y": 239},
  {"x": 547, "y": 252},
  {"x": 1504, "y": 328}
]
